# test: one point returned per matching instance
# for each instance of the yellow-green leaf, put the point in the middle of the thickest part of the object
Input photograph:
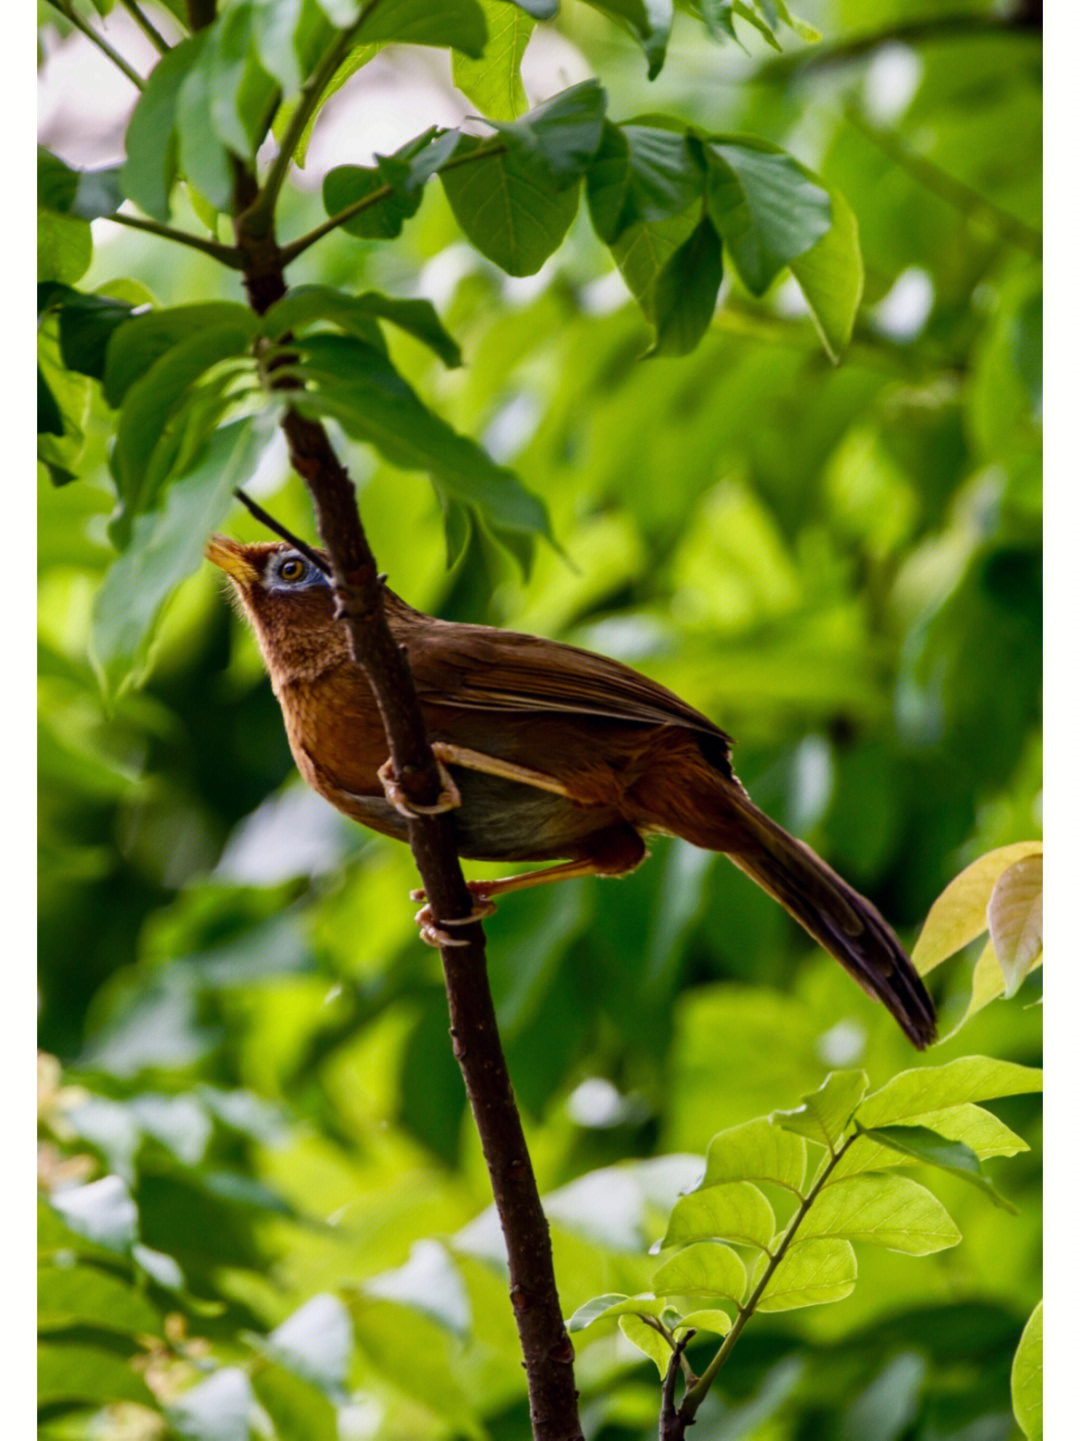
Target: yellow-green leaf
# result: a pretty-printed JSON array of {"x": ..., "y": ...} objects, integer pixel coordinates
[
  {"x": 959, "y": 913},
  {"x": 756, "y": 1151},
  {"x": 884, "y": 1210},
  {"x": 640, "y": 1334},
  {"x": 736, "y": 1212},
  {"x": 812, "y": 1274},
  {"x": 1027, "y": 1376},
  {"x": 824, "y": 1114},
  {"x": 702, "y": 1269},
  {"x": 1014, "y": 917},
  {"x": 931, "y": 1088}
]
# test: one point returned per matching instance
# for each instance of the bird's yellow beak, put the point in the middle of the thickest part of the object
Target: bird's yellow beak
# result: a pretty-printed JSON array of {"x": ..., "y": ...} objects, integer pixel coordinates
[{"x": 231, "y": 556}]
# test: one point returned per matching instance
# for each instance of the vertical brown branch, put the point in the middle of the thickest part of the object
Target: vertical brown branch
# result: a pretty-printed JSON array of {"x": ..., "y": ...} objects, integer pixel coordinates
[{"x": 546, "y": 1347}]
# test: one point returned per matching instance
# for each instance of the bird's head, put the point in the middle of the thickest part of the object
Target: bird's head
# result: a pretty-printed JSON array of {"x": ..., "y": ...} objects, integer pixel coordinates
[{"x": 287, "y": 599}]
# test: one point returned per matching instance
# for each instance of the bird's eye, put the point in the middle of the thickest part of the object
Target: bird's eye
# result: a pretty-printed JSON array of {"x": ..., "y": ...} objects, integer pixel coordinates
[{"x": 292, "y": 569}]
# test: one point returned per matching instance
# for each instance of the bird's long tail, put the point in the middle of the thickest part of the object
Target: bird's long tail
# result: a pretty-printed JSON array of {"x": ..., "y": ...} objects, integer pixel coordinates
[{"x": 838, "y": 918}]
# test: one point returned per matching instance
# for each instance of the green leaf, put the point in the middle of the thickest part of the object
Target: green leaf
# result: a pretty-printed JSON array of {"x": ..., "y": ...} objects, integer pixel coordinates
[
  {"x": 702, "y": 1269},
  {"x": 70, "y": 1295},
  {"x": 649, "y": 21},
  {"x": 642, "y": 251},
  {"x": 757, "y": 1151},
  {"x": 911, "y": 1094},
  {"x": 684, "y": 296},
  {"x": 299, "y": 1411},
  {"x": 306, "y": 304},
  {"x": 101, "y": 1211},
  {"x": 767, "y": 207},
  {"x": 289, "y": 36},
  {"x": 830, "y": 276},
  {"x": 150, "y": 140},
  {"x": 615, "y": 1304},
  {"x": 154, "y": 400},
  {"x": 825, "y": 1113},
  {"x": 87, "y": 1374},
  {"x": 974, "y": 1127},
  {"x": 508, "y": 207},
  {"x": 202, "y": 157},
  {"x": 144, "y": 339},
  {"x": 719, "y": 19},
  {"x": 166, "y": 547},
  {"x": 647, "y": 1340},
  {"x": 85, "y": 193},
  {"x": 813, "y": 1274},
  {"x": 493, "y": 82},
  {"x": 456, "y": 23},
  {"x": 641, "y": 172},
  {"x": 1014, "y": 917},
  {"x": 1027, "y": 1377},
  {"x": 87, "y": 324},
  {"x": 345, "y": 185},
  {"x": 718, "y": 1322},
  {"x": 64, "y": 247},
  {"x": 735, "y": 1211},
  {"x": 49, "y": 419},
  {"x": 922, "y": 1144},
  {"x": 958, "y": 915},
  {"x": 239, "y": 91},
  {"x": 883, "y": 1210},
  {"x": 218, "y": 1409},
  {"x": 360, "y": 388},
  {"x": 561, "y": 136}
]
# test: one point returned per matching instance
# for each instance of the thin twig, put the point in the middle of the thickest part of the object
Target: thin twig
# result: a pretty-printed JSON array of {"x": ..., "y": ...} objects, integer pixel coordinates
[
  {"x": 265, "y": 518},
  {"x": 669, "y": 1419},
  {"x": 375, "y": 197},
  {"x": 696, "y": 1394},
  {"x": 226, "y": 254},
  {"x": 948, "y": 188},
  {"x": 146, "y": 25},
  {"x": 74, "y": 18},
  {"x": 927, "y": 30}
]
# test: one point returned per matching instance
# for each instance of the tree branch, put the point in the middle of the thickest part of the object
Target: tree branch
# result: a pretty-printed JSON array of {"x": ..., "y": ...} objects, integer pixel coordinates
[
  {"x": 226, "y": 254},
  {"x": 152, "y": 33},
  {"x": 948, "y": 188},
  {"x": 74, "y": 18},
  {"x": 546, "y": 1347}
]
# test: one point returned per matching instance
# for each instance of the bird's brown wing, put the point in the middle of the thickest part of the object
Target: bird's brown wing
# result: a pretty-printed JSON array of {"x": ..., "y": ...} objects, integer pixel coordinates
[{"x": 483, "y": 668}]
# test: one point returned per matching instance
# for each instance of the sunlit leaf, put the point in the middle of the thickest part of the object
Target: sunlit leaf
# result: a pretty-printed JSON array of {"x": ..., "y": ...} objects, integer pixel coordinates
[
  {"x": 1027, "y": 1377},
  {"x": 756, "y": 1151},
  {"x": 883, "y": 1210},
  {"x": 493, "y": 82},
  {"x": 909, "y": 1095},
  {"x": 830, "y": 276},
  {"x": 647, "y": 1340},
  {"x": 702, "y": 1269},
  {"x": 959, "y": 913},
  {"x": 823, "y": 1116},
  {"x": 735, "y": 1211},
  {"x": 613, "y": 1305},
  {"x": 923, "y": 1144},
  {"x": 1014, "y": 918},
  {"x": 812, "y": 1274}
]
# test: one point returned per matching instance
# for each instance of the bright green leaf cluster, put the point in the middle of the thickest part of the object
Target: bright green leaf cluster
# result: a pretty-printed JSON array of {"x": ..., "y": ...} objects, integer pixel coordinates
[{"x": 921, "y": 1116}]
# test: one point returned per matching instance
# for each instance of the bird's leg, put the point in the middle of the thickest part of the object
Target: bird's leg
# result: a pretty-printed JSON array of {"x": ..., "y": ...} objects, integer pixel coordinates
[{"x": 614, "y": 852}]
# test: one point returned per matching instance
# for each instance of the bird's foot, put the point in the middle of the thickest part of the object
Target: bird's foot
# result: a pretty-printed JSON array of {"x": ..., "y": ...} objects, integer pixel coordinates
[
  {"x": 448, "y": 799},
  {"x": 433, "y": 932}
]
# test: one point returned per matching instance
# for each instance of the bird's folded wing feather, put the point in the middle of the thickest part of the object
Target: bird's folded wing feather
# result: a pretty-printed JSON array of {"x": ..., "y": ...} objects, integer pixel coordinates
[{"x": 481, "y": 668}]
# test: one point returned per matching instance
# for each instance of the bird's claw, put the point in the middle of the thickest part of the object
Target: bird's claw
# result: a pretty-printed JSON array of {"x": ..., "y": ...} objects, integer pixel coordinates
[
  {"x": 432, "y": 932},
  {"x": 448, "y": 799}
]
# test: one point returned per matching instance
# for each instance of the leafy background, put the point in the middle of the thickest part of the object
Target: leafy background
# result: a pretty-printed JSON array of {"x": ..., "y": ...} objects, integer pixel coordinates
[{"x": 840, "y": 564}]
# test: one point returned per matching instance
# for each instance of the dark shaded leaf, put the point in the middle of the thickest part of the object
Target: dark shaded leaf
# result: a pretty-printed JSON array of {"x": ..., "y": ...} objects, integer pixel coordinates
[
  {"x": 766, "y": 206},
  {"x": 456, "y": 23},
  {"x": 922, "y": 1144},
  {"x": 641, "y": 172},
  {"x": 684, "y": 297},
  {"x": 649, "y": 21},
  {"x": 507, "y": 206},
  {"x": 346, "y": 184}
]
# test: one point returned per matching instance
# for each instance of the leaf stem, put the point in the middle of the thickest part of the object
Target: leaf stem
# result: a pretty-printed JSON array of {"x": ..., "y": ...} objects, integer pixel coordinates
[
  {"x": 947, "y": 187},
  {"x": 70, "y": 14},
  {"x": 697, "y": 1393},
  {"x": 349, "y": 212},
  {"x": 157, "y": 40},
  {"x": 260, "y": 214},
  {"x": 226, "y": 254}
]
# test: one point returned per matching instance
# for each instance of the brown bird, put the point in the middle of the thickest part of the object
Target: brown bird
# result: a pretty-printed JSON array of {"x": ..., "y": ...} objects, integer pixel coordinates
[{"x": 554, "y": 753}]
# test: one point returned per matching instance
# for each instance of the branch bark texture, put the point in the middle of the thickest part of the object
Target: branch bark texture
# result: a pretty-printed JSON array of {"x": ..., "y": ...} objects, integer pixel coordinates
[{"x": 546, "y": 1346}]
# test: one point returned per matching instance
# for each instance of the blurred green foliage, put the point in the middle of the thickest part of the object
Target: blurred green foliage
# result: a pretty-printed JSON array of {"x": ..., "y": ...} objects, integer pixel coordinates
[{"x": 841, "y": 565}]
